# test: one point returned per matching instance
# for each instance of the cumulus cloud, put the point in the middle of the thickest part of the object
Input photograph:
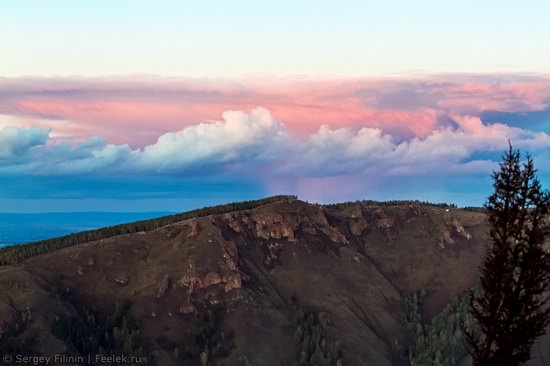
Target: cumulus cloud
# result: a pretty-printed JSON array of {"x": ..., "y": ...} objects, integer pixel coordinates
[
  {"x": 16, "y": 142},
  {"x": 32, "y": 151},
  {"x": 246, "y": 143},
  {"x": 254, "y": 137},
  {"x": 238, "y": 139},
  {"x": 341, "y": 151},
  {"x": 93, "y": 157}
]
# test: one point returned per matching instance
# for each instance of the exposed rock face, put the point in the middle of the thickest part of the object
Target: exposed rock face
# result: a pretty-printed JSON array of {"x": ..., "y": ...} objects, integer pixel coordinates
[
  {"x": 164, "y": 285},
  {"x": 319, "y": 220},
  {"x": 187, "y": 309},
  {"x": 238, "y": 222},
  {"x": 122, "y": 280},
  {"x": 192, "y": 282},
  {"x": 355, "y": 212},
  {"x": 357, "y": 226},
  {"x": 273, "y": 226},
  {"x": 232, "y": 280},
  {"x": 335, "y": 235},
  {"x": 383, "y": 220},
  {"x": 445, "y": 239},
  {"x": 212, "y": 278},
  {"x": 455, "y": 231},
  {"x": 235, "y": 226},
  {"x": 230, "y": 254},
  {"x": 459, "y": 230},
  {"x": 194, "y": 228}
]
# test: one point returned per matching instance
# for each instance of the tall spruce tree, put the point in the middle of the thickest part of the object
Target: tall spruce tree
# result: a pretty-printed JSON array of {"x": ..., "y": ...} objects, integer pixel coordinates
[{"x": 512, "y": 309}]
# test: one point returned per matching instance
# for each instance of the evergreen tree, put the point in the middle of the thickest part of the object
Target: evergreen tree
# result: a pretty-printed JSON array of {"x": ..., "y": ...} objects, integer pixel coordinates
[{"x": 512, "y": 308}]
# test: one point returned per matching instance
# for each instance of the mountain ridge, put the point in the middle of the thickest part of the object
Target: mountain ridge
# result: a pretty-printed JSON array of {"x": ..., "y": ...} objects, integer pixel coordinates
[{"x": 350, "y": 267}]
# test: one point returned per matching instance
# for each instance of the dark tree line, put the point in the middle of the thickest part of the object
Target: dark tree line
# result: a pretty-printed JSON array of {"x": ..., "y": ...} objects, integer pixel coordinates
[
  {"x": 15, "y": 254},
  {"x": 342, "y": 205}
]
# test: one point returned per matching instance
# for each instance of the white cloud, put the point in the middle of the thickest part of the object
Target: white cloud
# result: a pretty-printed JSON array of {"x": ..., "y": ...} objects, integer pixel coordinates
[
  {"x": 447, "y": 150},
  {"x": 98, "y": 157},
  {"x": 453, "y": 145},
  {"x": 341, "y": 151},
  {"x": 257, "y": 141},
  {"x": 239, "y": 137}
]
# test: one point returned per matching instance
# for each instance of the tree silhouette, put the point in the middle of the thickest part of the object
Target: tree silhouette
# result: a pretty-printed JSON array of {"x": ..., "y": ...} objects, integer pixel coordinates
[{"x": 512, "y": 308}]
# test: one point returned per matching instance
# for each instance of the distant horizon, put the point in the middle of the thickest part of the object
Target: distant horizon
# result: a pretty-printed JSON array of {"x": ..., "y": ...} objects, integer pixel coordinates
[
  {"x": 224, "y": 202},
  {"x": 19, "y": 228}
]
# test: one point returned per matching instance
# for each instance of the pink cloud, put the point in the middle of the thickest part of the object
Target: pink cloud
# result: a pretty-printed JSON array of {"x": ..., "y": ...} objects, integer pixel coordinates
[{"x": 138, "y": 110}]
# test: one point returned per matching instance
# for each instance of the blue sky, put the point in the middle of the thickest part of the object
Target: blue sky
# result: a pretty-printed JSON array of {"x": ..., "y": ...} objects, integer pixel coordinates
[
  {"x": 234, "y": 38},
  {"x": 170, "y": 105}
]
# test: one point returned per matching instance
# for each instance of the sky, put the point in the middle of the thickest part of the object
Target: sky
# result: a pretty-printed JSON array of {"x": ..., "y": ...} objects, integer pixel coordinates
[{"x": 170, "y": 105}]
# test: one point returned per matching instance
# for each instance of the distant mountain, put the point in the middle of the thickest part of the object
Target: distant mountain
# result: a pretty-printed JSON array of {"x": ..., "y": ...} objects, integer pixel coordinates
[{"x": 280, "y": 282}]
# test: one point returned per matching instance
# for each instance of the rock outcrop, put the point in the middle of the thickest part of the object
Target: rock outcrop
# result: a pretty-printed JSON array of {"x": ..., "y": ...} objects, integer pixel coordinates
[
  {"x": 194, "y": 282},
  {"x": 383, "y": 220},
  {"x": 453, "y": 232},
  {"x": 276, "y": 226},
  {"x": 357, "y": 226},
  {"x": 187, "y": 309},
  {"x": 232, "y": 280},
  {"x": 122, "y": 280},
  {"x": 194, "y": 225},
  {"x": 212, "y": 278}
]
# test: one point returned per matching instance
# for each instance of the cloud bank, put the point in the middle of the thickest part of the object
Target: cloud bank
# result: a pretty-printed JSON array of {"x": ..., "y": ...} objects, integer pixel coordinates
[
  {"x": 246, "y": 143},
  {"x": 136, "y": 110},
  {"x": 325, "y": 139}
]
